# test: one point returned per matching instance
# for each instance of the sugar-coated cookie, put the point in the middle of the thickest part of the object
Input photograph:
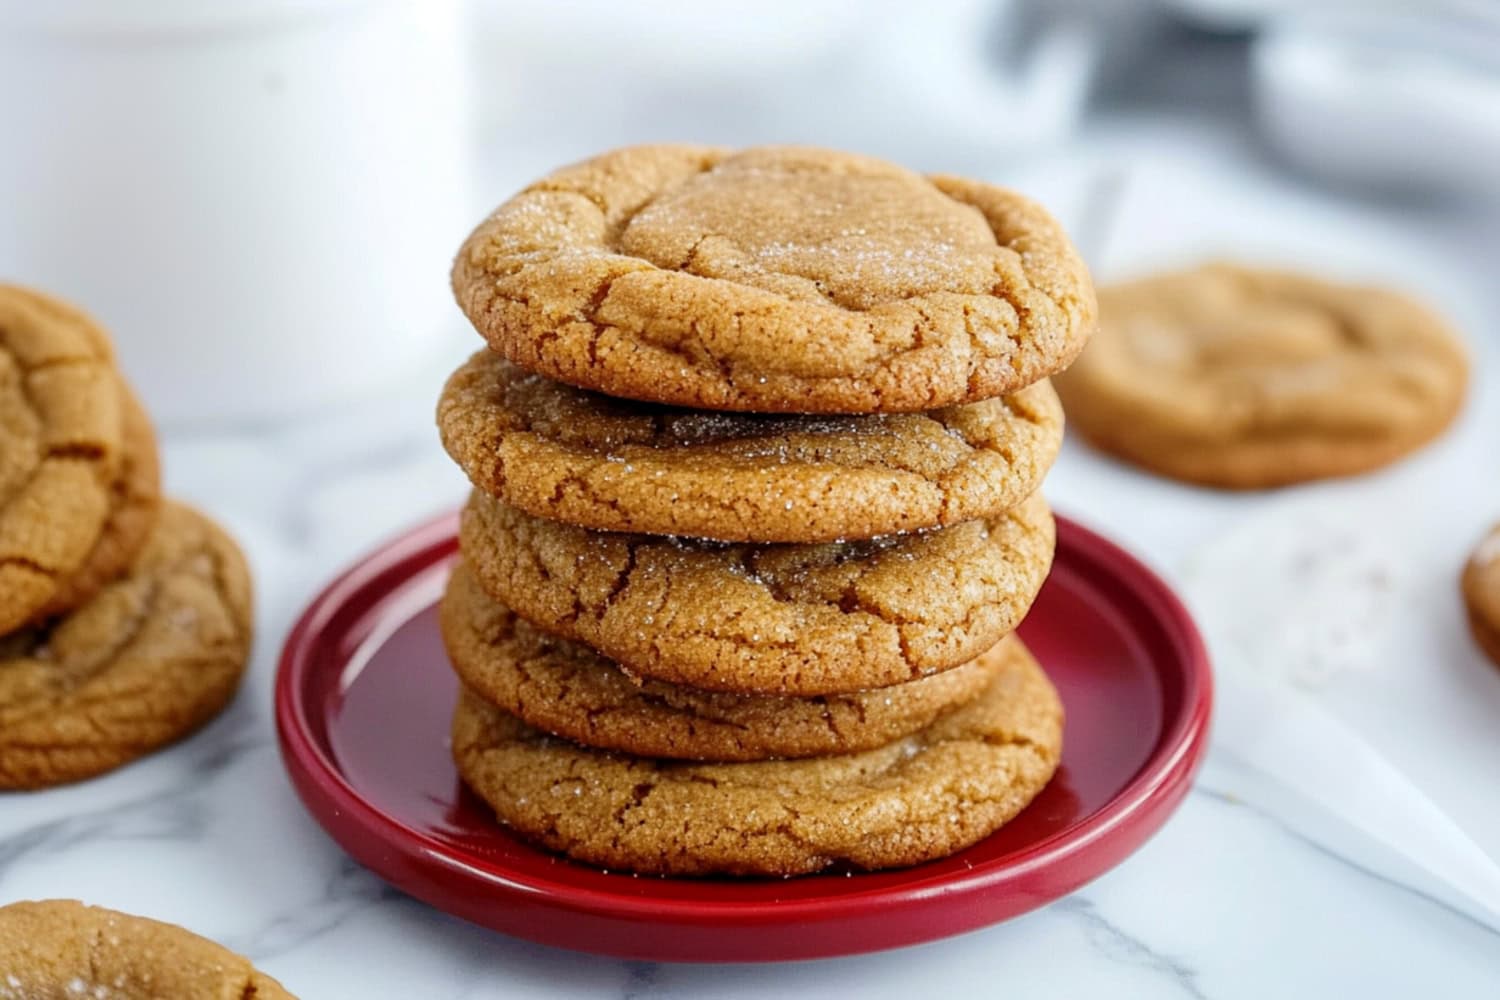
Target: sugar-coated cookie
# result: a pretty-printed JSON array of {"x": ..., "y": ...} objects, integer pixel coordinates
[
  {"x": 799, "y": 620},
  {"x": 925, "y": 796},
  {"x": 614, "y": 465},
  {"x": 567, "y": 689},
  {"x": 775, "y": 279}
]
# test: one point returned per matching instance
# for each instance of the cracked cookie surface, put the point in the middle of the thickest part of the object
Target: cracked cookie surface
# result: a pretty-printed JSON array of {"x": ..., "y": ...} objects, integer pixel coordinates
[
  {"x": 568, "y": 690},
  {"x": 775, "y": 279},
  {"x": 799, "y": 620},
  {"x": 1481, "y": 590},
  {"x": 61, "y": 444},
  {"x": 64, "y": 948},
  {"x": 134, "y": 501},
  {"x": 152, "y": 656},
  {"x": 615, "y": 465},
  {"x": 1245, "y": 378},
  {"x": 922, "y": 797}
]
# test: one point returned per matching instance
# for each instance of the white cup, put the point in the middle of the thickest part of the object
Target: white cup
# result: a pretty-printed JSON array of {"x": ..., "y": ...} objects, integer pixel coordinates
[{"x": 259, "y": 198}]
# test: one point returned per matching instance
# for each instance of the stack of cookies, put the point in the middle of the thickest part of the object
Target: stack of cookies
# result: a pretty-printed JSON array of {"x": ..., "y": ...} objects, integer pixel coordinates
[
  {"x": 124, "y": 618},
  {"x": 755, "y": 448}
]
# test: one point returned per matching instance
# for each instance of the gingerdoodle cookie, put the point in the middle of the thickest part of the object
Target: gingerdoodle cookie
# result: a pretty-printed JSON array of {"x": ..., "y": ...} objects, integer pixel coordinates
[
  {"x": 568, "y": 690},
  {"x": 585, "y": 459},
  {"x": 134, "y": 501},
  {"x": 62, "y": 948},
  {"x": 148, "y": 659},
  {"x": 1242, "y": 378},
  {"x": 1481, "y": 589},
  {"x": 777, "y": 280},
  {"x": 921, "y": 797},
  {"x": 799, "y": 620},
  {"x": 61, "y": 444}
]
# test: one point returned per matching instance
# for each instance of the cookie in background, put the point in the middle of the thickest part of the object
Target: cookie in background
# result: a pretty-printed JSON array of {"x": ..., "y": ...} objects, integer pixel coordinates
[
  {"x": 63, "y": 444},
  {"x": 1245, "y": 378},
  {"x": 125, "y": 620},
  {"x": 150, "y": 658},
  {"x": 1481, "y": 589}
]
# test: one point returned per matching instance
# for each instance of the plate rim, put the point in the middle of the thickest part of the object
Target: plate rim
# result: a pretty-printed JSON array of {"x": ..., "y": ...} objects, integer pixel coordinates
[{"x": 1169, "y": 768}]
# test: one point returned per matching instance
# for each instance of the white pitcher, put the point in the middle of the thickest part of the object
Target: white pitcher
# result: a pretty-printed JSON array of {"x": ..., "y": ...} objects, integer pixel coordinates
[{"x": 259, "y": 198}]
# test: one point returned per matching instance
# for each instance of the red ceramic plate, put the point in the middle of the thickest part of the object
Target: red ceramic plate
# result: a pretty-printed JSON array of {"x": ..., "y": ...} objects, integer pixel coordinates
[{"x": 363, "y": 701}]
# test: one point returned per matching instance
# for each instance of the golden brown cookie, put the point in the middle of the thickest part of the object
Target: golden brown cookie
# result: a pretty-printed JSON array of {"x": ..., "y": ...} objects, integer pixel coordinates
[
  {"x": 60, "y": 948},
  {"x": 147, "y": 660},
  {"x": 777, "y": 280},
  {"x": 134, "y": 501},
  {"x": 1481, "y": 589},
  {"x": 1242, "y": 378},
  {"x": 922, "y": 797},
  {"x": 61, "y": 444},
  {"x": 799, "y": 620},
  {"x": 568, "y": 690},
  {"x": 585, "y": 459}
]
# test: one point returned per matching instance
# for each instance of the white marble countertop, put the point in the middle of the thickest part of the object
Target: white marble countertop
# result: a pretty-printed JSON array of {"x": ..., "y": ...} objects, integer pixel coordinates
[{"x": 1336, "y": 602}]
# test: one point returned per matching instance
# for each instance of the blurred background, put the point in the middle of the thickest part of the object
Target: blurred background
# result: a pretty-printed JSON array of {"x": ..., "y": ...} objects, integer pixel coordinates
[
  {"x": 1341, "y": 89},
  {"x": 260, "y": 197}
]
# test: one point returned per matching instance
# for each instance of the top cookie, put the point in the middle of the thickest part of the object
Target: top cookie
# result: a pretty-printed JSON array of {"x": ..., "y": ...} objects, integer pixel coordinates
[
  {"x": 61, "y": 447},
  {"x": 1247, "y": 378},
  {"x": 616, "y": 465},
  {"x": 1481, "y": 587},
  {"x": 775, "y": 280},
  {"x": 62, "y": 948}
]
